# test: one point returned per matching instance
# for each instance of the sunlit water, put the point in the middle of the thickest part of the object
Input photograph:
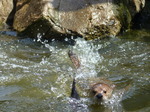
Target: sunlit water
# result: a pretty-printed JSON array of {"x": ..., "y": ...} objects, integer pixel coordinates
[{"x": 36, "y": 76}]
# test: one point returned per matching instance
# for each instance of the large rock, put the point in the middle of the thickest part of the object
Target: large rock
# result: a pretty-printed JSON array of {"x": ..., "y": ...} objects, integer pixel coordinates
[
  {"x": 87, "y": 18},
  {"x": 5, "y": 8},
  {"x": 142, "y": 19}
]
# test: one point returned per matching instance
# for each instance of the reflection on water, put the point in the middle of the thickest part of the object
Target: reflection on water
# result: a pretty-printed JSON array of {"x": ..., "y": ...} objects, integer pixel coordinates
[{"x": 37, "y": 75}]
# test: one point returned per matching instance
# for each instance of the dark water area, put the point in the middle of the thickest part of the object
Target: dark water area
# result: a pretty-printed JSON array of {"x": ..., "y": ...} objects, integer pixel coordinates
[{"x": 36, "y": 76}]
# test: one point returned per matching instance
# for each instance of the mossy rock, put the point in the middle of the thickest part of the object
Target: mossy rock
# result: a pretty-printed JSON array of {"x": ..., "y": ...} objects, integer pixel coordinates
[
  {"x": 124, "y": 17},
  {"x": 137, "y": 35}
]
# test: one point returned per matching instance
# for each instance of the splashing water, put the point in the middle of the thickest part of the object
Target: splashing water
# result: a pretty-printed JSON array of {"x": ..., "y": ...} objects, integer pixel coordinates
[
  {"x": 37, "y": 75},
  {"x": 114, "y": 103},
  {"x": 87, "y": 53},
  {"x": 89, "y": 57},
  {"x": 87, "y": 48}
]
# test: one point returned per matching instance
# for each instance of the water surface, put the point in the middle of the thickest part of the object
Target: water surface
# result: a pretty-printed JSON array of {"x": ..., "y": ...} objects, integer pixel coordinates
[{"x": 36, "y": 76}]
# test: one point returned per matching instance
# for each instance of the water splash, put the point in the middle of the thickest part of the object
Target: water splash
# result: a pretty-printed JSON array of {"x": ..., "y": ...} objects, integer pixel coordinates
[
  {"x": 114, "y": 103},
  {"x": 77, "y": 105},
  {"x": 85, "y": 50},
  {"x": 45, "y": 42},
  {"x": 89, "y": 57}
]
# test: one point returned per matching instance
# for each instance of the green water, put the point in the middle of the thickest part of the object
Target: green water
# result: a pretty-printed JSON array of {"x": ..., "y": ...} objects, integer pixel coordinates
[{"x": 37, "y": 76}]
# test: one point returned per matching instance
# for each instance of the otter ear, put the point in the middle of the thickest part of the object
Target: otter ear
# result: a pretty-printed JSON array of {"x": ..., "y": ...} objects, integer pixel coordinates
[
  {"x": 92, "y": 85},
  {"x": 113, "y": 86}
]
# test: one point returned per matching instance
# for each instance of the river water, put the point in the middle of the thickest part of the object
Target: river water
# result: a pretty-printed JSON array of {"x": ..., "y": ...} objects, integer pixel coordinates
[{"x": 36, "y": 75}]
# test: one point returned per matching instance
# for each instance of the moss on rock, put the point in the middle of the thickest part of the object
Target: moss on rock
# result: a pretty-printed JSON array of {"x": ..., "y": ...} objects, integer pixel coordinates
[{"x": 124, "y": 16}]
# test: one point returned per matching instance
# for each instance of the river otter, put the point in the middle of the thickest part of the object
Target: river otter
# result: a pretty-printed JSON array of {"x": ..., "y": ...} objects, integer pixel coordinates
[{"x": 99, "y": 90}]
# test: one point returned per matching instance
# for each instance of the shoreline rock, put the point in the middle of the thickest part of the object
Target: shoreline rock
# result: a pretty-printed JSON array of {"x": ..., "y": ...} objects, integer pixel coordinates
[
  {"x": 6, "y": 6},
  {"x": 86, "y": 18}
]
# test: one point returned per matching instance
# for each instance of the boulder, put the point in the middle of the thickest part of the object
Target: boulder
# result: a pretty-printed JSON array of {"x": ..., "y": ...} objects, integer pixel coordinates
[
  {"x": 142, "y": 19},
  {"x": 87, "y": 18},
  {"x": 6, "y": 7}
]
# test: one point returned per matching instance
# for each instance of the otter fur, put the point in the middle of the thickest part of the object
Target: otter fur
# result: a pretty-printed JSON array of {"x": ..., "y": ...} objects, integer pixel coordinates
[{"x": 98, "y": 88}]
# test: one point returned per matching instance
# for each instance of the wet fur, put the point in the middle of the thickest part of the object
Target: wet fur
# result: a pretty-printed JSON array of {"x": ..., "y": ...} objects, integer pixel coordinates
[
  {"x": 98, "y": 89},
  {"x": 74, "y": 93}
]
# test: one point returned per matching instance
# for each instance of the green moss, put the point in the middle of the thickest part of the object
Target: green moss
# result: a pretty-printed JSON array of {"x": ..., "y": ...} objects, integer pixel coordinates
[
  {"x": 137, "y": 35},
  {"x": 1, "y": 24},
  {"x": 124, "y": 17},
  {"x": 97, "y": 32}
]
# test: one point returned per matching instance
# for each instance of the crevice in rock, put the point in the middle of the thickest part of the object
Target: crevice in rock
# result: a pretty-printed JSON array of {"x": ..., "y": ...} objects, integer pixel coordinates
[{"x": 10, "y": 18}]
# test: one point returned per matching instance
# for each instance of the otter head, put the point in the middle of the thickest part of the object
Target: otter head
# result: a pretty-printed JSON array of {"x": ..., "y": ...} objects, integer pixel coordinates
[{"x": 101, "y": 91}]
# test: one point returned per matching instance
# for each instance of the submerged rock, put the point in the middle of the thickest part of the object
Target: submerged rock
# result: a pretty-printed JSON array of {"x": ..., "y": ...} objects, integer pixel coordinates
[{"x": 60, "y": 18}]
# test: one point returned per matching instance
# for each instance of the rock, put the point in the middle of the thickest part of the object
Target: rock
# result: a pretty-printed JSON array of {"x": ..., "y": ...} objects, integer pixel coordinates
[
  {"x": 88, "y": 18},
  {"x": 139, "y": 4},
  {"x": 6, "y": 6},
  {"x": 10, "y": 18},
  {"x": 142, "y": 19}
]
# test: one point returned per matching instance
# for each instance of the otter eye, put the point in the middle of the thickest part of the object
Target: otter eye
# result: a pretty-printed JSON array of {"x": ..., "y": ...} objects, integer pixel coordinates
[
  {"x": 105, "y": 92},
  {"x": 94, "y": 92}
]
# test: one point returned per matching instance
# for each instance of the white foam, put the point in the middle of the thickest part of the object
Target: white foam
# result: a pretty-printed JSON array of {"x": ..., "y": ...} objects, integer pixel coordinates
[{"x": 89, "y": 57}]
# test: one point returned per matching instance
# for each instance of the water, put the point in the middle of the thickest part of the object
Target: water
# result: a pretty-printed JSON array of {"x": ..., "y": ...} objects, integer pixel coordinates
[{"x": 36, "y": 76}]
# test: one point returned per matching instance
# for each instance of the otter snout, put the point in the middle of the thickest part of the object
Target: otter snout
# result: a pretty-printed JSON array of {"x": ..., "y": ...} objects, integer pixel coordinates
[{"x": 99, "y": 96}]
